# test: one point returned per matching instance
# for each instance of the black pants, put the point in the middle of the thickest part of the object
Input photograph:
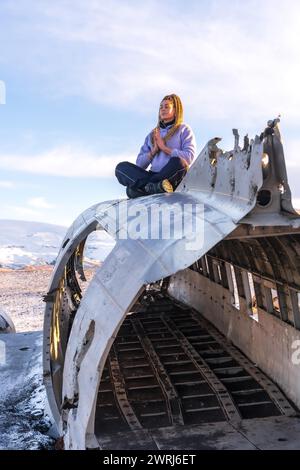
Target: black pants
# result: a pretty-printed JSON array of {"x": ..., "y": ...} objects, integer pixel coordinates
[{"x": 132, "y": 175}]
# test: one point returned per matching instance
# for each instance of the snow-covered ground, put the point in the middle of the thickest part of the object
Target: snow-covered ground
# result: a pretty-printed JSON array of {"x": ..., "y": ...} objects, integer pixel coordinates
[
  {"x": 24, "y": 422},
  {"x": 27, "y": 253},
  {"x": 34, "y": 243},
  {"x": 21, "y": 295}
]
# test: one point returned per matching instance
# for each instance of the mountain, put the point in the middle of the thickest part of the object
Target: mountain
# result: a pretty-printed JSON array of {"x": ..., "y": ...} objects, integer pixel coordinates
[{"x": 35, "y": 243}]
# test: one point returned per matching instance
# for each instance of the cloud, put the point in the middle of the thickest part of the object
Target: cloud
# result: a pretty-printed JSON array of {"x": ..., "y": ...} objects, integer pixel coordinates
[
  {"x": 7, "y": 184},
  {"x": 29, "y": 212},
  {"x": 65, "y": 161},
  {"x": 291, "y": 151},
  {"x": 23, "y": 212},
  {"x": 226, "y": 59},
  {"x": 296, "y": 203},
  {"x": 39, "y": 203}
]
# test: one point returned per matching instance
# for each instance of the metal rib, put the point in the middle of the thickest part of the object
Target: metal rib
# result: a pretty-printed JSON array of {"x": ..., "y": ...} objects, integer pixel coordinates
[
  {"x": 227, "y": 404},
  {"x": 118, "y": 383},
  {"x": 174, "y": 405},
  {"x": 274, "y": 392}
]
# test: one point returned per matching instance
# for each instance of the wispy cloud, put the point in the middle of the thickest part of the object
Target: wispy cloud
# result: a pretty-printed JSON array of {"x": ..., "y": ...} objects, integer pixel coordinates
[
  {"x": 7, "y": 184},
  {"x": 296, "y": 203},
  {"x": 291, "y": 150},
  {"x": 226, "y": 59},
  {"x": 33, "y": 210},
  {"x": 39, "y": 203},
  {"x": 65, "y": 161},
  {"x": 23, "y": 212}
]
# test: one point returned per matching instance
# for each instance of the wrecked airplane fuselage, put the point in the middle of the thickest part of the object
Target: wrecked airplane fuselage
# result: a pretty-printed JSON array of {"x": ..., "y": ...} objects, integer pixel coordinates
[
  {"x": 6, "y": 323},
  {"x": 151, "y": 352}
]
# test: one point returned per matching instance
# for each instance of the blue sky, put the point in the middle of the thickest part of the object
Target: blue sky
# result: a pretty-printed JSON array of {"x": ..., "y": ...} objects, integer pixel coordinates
[{"x": 84, "y": 79}]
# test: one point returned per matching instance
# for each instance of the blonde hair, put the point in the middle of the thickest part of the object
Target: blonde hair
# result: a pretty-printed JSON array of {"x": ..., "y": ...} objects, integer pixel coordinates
[{"x": 178, "y": 117}]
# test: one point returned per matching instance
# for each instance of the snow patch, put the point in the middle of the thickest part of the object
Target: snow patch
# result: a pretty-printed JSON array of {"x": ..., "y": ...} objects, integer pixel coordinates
[
  {"x": 32, "y": 243},
  {"x": 24, "y": 423}
]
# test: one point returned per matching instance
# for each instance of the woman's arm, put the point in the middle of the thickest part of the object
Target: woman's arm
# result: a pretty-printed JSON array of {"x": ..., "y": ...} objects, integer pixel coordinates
[{"x": 147, "y": 153}]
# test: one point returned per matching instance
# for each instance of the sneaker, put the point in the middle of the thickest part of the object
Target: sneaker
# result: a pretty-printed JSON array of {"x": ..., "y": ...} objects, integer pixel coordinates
[
  {"x": 133, "y": 193},
  {"x": 167, "y": 186},
  {"x": 163, "y": 186}
]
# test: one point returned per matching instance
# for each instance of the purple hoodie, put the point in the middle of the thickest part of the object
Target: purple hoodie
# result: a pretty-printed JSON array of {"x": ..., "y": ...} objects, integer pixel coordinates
[{"x": 182, "y": 142}]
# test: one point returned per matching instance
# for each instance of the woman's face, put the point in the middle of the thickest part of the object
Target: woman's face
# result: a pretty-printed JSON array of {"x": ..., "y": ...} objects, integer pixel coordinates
[{"x": 166, "y": 111}]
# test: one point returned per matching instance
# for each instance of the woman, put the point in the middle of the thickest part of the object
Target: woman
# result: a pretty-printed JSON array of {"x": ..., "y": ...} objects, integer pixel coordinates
[{"x": 170, "y": 148}]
